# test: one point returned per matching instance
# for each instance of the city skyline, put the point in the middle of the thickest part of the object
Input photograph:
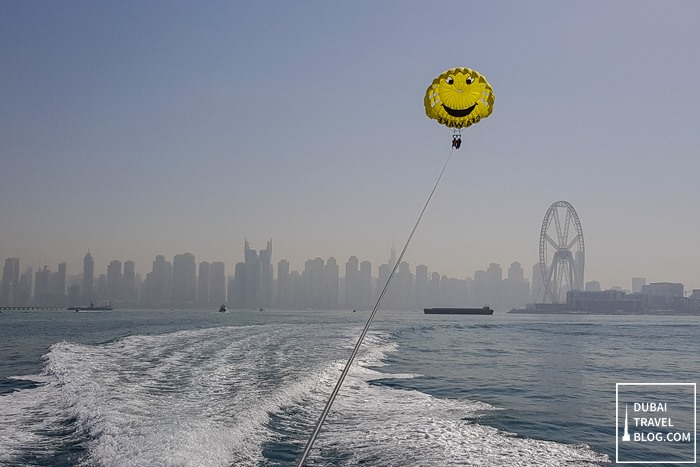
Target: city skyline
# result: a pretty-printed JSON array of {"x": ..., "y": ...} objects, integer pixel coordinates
[
  {"x": 183, "y": 283},
  {"x": 533, "y": 276},
  {"x": 134, "y": 130}
]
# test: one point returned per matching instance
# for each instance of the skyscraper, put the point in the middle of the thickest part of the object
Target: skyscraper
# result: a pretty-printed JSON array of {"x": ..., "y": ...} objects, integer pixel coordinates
[
  {"x": 41, "y": 287},
  {"x": 421, "y": 287},
  {"x": 401, "y": 291},
  {"x": 59, "y": 280},
  {"x": 392, "y": 258},
  {"x": 296, "y": 285},
  {"x": 516, "y": 291},
  {"x": 383, "y": 276},
  {"x": 10, "y": 282},
  {"x": 331, "y": 277},
  {"x": 365, "y": 285},
  {"x": 251, "y": 292},
  {"x": 638, "y": 283},
  {"x": 312, "y": 283},
  {"x": 88, "y": 278},
  {"x": 266, "y": 275},
  {"x": 184, "y": 291},
  {"x": 238, "y": 287},
  {"x": 158, "y": 282},
  {"x": 253, "y": 279},
  {"x": 494, "y": 279},
  {"x": 515, "y": 272},
  {"x": 434, "y": 289},
  {"x": 114, "y": 280},
  {"x": 26, "y": 283},
  {"x": 284, "y": 291},
  {"x": 204, "y": 284},
  {"x": 352, "y": 284},
  {"x": 129, "y": 282}
]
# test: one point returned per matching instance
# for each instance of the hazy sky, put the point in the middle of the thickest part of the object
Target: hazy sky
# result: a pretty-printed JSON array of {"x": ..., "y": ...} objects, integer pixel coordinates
[{"x": 137, "y": 128}]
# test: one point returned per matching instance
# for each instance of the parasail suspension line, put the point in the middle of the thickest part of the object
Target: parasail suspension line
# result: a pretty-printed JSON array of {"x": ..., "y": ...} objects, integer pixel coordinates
[{"x": 346, "y": 369}]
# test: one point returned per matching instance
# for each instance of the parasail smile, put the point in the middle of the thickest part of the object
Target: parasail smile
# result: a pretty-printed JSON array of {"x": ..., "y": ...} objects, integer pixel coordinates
[{"x": 459, "y": 113}]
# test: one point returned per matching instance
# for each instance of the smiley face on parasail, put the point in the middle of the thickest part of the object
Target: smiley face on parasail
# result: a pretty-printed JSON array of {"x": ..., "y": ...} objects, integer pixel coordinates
[{"x": 458, "y": 98}]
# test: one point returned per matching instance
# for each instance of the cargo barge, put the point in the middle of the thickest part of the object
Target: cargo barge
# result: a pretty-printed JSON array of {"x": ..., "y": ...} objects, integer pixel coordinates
[{"x": 458, "y": 311}]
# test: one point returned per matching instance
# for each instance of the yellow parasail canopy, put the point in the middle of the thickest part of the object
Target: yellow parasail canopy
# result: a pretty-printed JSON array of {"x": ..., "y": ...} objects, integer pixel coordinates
[{"x": 458, "y": 98}]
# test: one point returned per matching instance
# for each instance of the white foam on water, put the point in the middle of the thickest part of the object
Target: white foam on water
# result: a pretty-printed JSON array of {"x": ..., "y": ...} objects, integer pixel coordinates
[
  {"x": 380, "y": 425},
  {"x": 21, "y": 409},
  {"x": 220, "y": 396},
  {"x": 387, "y": 426},
  {"x": 186, "y": 398}
]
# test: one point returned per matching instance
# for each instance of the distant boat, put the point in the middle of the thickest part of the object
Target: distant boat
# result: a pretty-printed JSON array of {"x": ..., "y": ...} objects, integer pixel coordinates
[
  {"x": 485, "y": 310},
  {"x": 223, "y": 309},
  {"x": 92, "y": 307}
]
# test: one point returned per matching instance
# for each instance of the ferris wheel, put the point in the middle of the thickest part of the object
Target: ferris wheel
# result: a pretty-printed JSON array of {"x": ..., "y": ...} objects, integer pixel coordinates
[{"x": 562, "y": 254}]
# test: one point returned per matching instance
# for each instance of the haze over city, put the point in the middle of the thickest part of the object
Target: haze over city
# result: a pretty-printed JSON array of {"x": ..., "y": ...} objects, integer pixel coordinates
[{"x": 138, "y": 129}]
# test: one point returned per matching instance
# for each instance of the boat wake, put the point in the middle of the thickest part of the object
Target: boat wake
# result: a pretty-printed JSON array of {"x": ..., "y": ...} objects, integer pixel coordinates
[{"x": 247, "y": 395}]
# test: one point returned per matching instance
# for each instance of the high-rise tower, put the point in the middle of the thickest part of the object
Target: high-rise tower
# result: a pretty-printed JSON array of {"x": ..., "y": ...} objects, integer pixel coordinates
[
  {"x": 284, "y": 290},
  {"x": 59, "y": 280},
  {"x": 352, "y": 283},
  {"x": 158, "y": 283},
  {"x": 253, "y": 279},
  {"x": 251, "y": 288},
  {"x": 88, "y": 278},
  {"x": 114, "y": 280},
  {"x": 129, "y": 282},
  {"x": 204, "y": 284},
  {"x": 331, "y": 277},
  {"x": 184, "y": 280},
  {"x": 10, "y": 282},
  {"x": 364, "y": 280},
  {"x": 266, "y": 275}
]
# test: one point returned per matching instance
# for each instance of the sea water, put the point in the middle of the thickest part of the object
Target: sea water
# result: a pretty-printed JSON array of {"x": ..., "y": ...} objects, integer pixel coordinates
[{"x": 202, "y": 388}]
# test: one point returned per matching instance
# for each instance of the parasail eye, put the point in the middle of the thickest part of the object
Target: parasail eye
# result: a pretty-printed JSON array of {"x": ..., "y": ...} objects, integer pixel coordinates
[
  {"x": 470, "y": 80},
  {"x": 449, "y": 80}
]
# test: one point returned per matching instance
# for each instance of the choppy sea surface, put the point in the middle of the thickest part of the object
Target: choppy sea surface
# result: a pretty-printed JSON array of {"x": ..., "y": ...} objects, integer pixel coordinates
[{"x": 202, "y": 388}]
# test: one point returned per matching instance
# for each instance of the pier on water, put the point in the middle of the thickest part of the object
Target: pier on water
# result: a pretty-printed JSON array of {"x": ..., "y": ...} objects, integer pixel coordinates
[{"x": 35, "y": 308}]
